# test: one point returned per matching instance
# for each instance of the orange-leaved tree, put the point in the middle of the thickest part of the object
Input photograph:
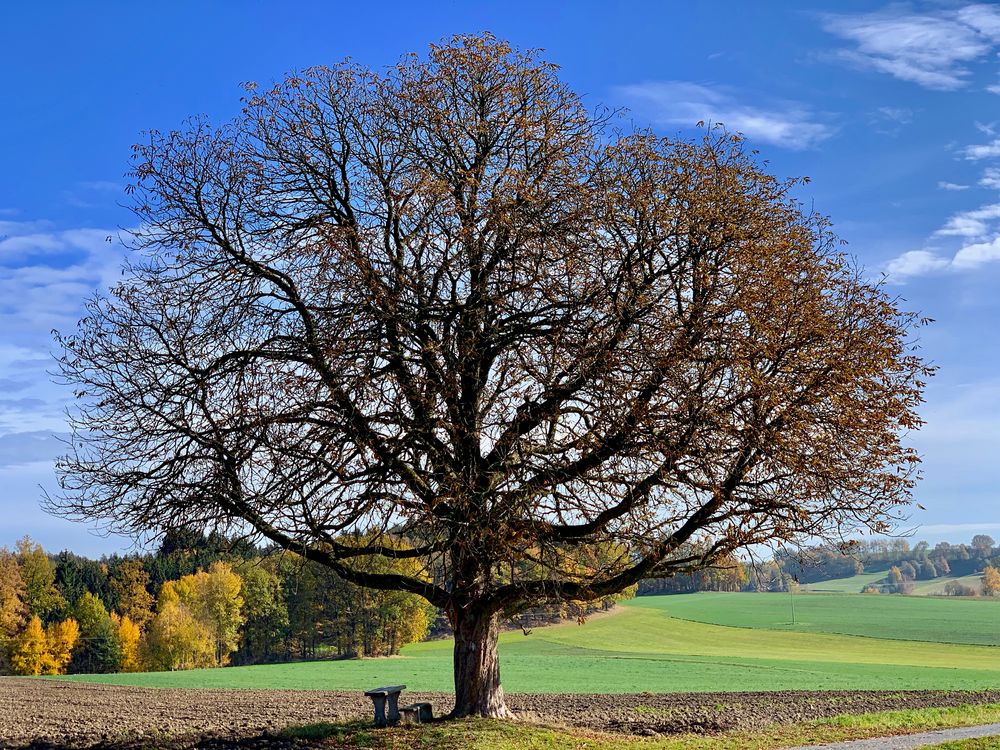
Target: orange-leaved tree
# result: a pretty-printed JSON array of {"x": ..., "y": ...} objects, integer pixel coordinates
[
  {"x": 991, "y": 581},
  {"x": 448, "y": 305}
]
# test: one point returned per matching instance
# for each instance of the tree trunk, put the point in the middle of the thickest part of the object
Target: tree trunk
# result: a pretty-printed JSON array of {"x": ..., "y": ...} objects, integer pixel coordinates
[{"x": 477, "y": 665}]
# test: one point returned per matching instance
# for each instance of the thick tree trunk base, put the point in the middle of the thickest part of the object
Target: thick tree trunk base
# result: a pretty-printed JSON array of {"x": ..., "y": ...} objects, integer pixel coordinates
[{"x": 477, "y": 667}]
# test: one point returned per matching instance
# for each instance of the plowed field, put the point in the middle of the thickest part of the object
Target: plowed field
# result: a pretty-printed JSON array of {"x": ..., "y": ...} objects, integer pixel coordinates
[{"x": 51, "y": 714}]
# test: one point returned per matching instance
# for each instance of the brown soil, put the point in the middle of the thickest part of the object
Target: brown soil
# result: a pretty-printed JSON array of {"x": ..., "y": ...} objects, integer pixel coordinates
[{"x": 50, "y": 714}]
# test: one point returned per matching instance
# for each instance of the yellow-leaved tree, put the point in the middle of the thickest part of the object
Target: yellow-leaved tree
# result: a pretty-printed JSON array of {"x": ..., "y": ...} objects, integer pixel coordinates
[
  {"x": 128, "y": 634},
  {"x": 991, "y": 581},
  {"x": 60, "y": 640},
  {"x": 39, "y": 650},
  {"x": 12, "y": 609},
  {"x": 30, "y": 653},
  {"x": 176, "y": 639},
  {"x": 214, "y": 598}
]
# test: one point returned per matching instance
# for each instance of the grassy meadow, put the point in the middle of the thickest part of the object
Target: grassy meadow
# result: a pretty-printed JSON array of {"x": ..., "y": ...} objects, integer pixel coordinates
[
  {"x": 854, "y": 584},
  {"x": 483, "y": 734},
  {"x": 933, "y": 619},
  {"x": 696, "y": 642}
]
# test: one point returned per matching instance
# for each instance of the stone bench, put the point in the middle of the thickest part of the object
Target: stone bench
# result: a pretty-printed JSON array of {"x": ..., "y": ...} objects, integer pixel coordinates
[
  {"x": 418, "y": 713},
  {"x": 382, "y": 695}
]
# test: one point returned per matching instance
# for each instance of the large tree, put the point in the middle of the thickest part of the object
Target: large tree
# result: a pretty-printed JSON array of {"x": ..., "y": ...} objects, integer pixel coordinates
[{"x": 444, "y": 312}]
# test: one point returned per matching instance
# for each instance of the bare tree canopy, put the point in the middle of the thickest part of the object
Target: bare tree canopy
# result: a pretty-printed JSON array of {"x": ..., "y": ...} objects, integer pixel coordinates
[{"x": 446, "y": 313}]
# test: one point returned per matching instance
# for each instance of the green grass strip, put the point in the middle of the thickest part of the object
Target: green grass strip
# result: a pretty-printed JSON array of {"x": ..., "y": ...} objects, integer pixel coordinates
[{"x": 480, "y": 734}]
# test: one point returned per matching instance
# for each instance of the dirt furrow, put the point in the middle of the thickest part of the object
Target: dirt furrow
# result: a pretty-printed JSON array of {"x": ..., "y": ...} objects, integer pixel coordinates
[{"x": 52, "y": 714}]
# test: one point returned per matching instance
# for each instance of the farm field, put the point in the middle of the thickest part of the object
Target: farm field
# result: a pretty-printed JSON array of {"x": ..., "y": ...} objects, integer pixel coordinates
[
  {"x": 850, "y": 585},
  {"x": 643, "y": 648},
  {"x": 50, "y": 714},
  {"x": 936, "y": 586},
  {"x": 939, "y": 620},
  {"x": 854, "y": 584}
]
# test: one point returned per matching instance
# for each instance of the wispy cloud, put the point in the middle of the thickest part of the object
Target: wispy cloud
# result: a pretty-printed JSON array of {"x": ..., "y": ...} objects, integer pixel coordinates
[
  {"x": 890, "y": 120},
  {"x": 972, "y": 224},
  {"x": 953, "y": 186},
  {"x": 982, "y": 151},
  {"x": 45, "y": 276},
  {"x": 977, "y": 254},
  {"x": 990, "y": 178},
  {"x": 13, "y": 385},
  {"x": 978, "y": 231},
  {"x": 915, "y": 263},
  {"x": 933, "y": 49},
  {"x": 92, "y": 194},
  {"x": 680, "y": 103},
  {"x": 20, "y": 448}
]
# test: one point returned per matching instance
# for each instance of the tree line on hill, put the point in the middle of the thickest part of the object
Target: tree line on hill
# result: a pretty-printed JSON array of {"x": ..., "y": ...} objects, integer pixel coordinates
[
  {"x": 902, "y": 564},
  {"x": 196, "y": 602},
  {"x": 204, "y": 601}
]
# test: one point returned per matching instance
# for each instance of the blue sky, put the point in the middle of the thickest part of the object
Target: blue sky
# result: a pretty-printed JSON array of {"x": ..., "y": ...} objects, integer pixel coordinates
[{"x": 893, "y": 111}]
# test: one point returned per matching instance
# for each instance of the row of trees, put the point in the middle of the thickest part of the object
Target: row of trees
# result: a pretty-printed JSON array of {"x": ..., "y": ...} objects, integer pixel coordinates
[
  {"x": 729, "y": 574},
  {"x": 899, "y": 580},
  {"x": 903, "y": 565},
  {"x": 227, "y": 604},
  {"x": 203, "y": 601},
  {"x": 946, "y": 558}
]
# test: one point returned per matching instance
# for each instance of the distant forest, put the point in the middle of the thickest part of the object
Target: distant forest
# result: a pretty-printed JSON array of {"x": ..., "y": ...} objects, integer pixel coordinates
[
  {"x": 202, "y": 601},
  {"x": 902, "y": 564}
]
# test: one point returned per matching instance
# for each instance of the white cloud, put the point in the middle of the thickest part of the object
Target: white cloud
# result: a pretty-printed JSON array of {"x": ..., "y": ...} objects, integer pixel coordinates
[
  {"x": 785, "y": 124},
  {"x": 931, "y": 49},
  {"x": 20, "y": 448},
  {"x": 898, "y": 114},
  {"x": 925, "y": 262},
  {"x": 952, "y": 186},
  {"x": 890, "y": 120},
  {"x": 983, "y": 18},
  {"x": 16, "y": 248},
  {"x": 972, "y": 224},
  {"x": 101, "y": 185},
  {"x": 977, "y": 254},
  {"x": 982, "y": 151},
  {"x": 979, "y": 233},
  {"x": 915, "y": 263},
  {"x": 45, "y": 277},
  {"x": 990, "y": 178}
]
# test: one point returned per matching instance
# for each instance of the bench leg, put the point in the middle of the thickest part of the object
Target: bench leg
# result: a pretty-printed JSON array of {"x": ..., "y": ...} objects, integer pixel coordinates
[
  {"x": 379, "y": 702},
  {"x": 393, "y": 708}
]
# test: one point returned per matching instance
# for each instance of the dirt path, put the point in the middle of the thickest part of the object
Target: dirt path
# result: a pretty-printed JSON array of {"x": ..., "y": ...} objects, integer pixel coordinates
[
  {"x": 912, "y": 741},
  {"x": 52, "y": 714}
]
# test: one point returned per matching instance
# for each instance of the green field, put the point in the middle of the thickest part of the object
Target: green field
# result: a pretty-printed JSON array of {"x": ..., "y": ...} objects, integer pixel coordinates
[
  {"x": 643, "y": 648},
  {"x": 854, "y": 584},
  {"x": 939, "y": 620},
  {"x": 936, "y": 586},
  {"x": 851, "y": 585}
]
